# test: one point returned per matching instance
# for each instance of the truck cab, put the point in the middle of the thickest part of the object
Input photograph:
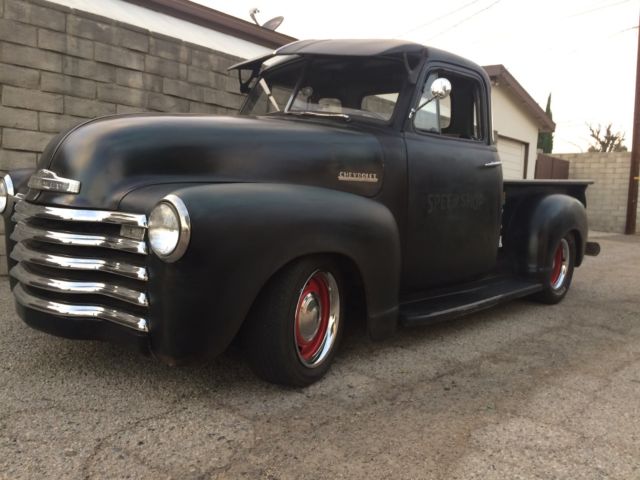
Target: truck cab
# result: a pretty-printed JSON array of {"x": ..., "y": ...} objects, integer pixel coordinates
[
  {"x": 441, "y": 145},
  {"x": 360, "y": 176}
]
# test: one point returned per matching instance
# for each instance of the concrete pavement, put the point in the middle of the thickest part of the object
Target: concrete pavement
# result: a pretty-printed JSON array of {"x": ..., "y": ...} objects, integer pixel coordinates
[{"x": 521, "y": 391}]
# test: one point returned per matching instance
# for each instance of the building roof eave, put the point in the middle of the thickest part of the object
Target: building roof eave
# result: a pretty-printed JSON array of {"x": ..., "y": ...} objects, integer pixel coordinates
[
  {"x": 503, "y": 77},
  {"x": 216, "y": 20}
]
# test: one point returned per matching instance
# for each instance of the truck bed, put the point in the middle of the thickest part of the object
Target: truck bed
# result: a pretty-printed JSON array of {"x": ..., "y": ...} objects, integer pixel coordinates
[{"x": 515, "y": 189}]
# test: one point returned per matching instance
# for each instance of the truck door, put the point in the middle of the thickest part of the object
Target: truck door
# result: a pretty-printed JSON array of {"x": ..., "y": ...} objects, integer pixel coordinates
[{"x": 454, "y": 183}]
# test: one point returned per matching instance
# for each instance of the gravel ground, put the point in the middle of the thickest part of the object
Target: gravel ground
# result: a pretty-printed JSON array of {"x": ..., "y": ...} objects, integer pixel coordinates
[{"x": 521, "y": 391}]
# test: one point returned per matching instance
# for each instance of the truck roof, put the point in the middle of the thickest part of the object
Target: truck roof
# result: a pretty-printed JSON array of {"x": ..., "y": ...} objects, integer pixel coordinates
[{"x": 357, "y": 48}]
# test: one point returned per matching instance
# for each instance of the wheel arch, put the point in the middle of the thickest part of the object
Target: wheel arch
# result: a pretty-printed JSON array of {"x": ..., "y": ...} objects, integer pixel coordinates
[
  {"x": 353, "y": 282},
  {"x": 543, "y": 221},
  {"x": 580, "y": 246}
]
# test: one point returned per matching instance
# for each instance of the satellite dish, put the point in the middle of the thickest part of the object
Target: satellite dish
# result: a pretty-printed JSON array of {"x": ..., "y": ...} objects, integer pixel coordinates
[
  {"x": 252, "y": 14},
  {"x": 270, "y": 25},
  {"x": 273, "y": 23}
]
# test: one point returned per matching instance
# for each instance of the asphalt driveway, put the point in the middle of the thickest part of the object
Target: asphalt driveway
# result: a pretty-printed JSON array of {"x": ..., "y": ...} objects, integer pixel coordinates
[{"x": 521, "y": 391}]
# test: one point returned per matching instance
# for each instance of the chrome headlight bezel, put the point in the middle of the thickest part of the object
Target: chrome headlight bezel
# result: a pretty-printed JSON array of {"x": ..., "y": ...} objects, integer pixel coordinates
[
  {"x": 182, "y": 228},
  {"x": 7, "y": 191}
]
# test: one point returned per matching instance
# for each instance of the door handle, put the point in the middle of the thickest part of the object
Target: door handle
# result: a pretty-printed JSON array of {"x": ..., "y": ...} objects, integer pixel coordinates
[{"x": 492, "y": 164}]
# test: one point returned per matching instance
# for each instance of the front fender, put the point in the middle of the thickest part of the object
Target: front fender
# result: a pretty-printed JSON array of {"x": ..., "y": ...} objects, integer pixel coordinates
[{"x": 244, "y": 233}]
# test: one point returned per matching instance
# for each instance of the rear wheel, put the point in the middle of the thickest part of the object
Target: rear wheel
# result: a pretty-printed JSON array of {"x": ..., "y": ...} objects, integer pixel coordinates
[
  {"x": 293, "y": 330},
  {"x": 559, "y": 280}
]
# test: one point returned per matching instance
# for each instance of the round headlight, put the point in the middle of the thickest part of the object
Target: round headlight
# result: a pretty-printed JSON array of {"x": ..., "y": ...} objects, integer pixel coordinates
[
  {"x": 4, "y": 195},
  {"x": 169, "y": 228},
  {"x": 6, "y": 191}
]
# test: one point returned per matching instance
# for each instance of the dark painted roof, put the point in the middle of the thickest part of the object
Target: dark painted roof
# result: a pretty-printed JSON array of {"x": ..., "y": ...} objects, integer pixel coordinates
[
  {"x": 357, "y": 47},
  {"x": 501, "y": 76},
  {"x": 351, "y": 47}
]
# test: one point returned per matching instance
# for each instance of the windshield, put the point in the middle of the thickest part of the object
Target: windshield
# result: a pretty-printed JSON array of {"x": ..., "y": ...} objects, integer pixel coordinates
[{"x": 330, "y": 86}]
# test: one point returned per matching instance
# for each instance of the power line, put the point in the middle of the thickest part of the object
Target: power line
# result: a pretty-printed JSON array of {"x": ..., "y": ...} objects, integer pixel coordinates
[
  {"x": 609, "y": 37},
  {"x": 595, "y": 9},
  {"x": 528, "y": 30},
  {"x": 635, "y": 27},
  {"x": 464, "y": 20},
  {"x": 564, "y": 139},
  {"x": 431, "y": 22}
]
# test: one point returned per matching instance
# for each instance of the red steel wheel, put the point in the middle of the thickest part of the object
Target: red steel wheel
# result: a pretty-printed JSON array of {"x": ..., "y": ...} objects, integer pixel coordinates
[
  {"x": 317, "y": 316},
  {"x": 560, "y": 271},
  {"x": 292, "y": 332},
  {"x": 560, "y": 266}
]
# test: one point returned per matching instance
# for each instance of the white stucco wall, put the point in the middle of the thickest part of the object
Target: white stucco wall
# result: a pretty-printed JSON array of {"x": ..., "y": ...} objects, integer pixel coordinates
[
  {"x": 168, "y": 25},
  {"x": 512, "y": 120}
]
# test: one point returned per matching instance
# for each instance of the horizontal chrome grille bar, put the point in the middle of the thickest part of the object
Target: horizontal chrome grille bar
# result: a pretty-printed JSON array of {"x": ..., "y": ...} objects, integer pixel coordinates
[
  {"x": 20, "y": 273},
  {"x": 23, "y": 253},
  {"x": 25, "y": 210},
  {"x": 79, "y": 311},
  {"x": 23, "y": 231}
]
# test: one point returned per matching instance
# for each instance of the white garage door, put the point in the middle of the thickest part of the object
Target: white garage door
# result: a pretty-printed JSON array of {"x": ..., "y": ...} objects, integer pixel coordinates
[{"x": 512, "y": 155}]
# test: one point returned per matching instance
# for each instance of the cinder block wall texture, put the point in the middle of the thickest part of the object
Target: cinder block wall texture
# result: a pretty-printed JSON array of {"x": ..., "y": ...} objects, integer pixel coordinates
[
  {"x": 607, "y": 197},
  {"x": 60, "y": 66}
]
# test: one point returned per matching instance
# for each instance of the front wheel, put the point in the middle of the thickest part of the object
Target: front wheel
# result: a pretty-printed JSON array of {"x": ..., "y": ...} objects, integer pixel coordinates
[
  {"x": 562, "y": 263},
  {"x": 292, "y": 332}
]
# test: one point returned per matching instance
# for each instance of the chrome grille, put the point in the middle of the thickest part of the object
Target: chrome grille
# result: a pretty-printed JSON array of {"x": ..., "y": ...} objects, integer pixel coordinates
[{"x": 76, "y": 263}]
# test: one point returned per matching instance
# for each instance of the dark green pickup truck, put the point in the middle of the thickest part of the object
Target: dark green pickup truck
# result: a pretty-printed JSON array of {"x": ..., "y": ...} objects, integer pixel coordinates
[{"x": 360, "y": 178}]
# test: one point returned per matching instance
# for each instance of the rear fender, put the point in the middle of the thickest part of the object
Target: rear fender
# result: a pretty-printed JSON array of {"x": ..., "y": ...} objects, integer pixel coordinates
[{"x": 541, "y": 223}]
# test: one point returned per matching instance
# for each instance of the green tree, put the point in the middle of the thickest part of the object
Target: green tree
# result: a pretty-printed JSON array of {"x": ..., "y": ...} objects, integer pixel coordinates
[
  {"x": 606, "y": 141},
  {"x": 545, "y": 139}
]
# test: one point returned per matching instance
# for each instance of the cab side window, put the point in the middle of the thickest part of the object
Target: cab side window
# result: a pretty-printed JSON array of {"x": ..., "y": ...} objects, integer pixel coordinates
[
  {"x": 458, "y": 115},
  {"x": 432, "y": 115}
]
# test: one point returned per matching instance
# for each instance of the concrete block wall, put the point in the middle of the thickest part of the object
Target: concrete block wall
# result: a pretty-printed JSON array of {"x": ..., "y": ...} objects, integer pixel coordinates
[
  {"x": 607, "y": 197},
  {"x": 60, "y": 66}
]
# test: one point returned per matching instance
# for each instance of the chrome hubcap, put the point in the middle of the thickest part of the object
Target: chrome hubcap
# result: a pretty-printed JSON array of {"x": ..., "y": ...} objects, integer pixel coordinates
[
  {"x": 317, "y": 318},
  {"x": 309, "y": 317},
  {"x": 560, "y": 265}
]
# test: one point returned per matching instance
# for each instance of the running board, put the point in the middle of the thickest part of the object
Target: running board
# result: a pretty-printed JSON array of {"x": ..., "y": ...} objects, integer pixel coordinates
[{"x": 465, "y": 300}]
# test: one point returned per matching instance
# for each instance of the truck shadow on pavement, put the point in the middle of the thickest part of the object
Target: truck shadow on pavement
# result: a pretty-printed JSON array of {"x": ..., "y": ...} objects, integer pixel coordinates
[{"x": 357, "y": 353}]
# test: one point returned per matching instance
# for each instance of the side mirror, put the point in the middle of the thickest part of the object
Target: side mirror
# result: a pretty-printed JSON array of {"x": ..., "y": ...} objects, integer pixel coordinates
[{"x": 440, "y": 88}]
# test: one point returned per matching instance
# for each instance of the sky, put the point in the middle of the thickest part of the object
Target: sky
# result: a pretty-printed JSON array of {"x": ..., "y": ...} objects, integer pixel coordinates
[{"x": 582, "y": 52}]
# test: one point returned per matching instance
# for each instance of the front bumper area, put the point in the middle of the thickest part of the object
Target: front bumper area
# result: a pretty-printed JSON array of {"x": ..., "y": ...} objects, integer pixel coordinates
[
  {"x": 83, "y": 328},
  {"x": 78, "y": 273},
  {"x": 33, "y": 302}
]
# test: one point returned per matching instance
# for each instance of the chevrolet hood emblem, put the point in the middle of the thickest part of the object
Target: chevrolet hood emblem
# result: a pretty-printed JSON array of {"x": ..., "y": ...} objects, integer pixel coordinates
[{"x": 49, "y": 181}]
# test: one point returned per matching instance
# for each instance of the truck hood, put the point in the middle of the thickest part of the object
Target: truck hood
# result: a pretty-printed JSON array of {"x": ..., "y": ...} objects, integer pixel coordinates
[{"x": 113, "y": 156}]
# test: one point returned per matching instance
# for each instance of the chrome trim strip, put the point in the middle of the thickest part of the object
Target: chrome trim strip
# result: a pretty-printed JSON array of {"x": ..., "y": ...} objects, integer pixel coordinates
[
  {"x": 26, "y": 209},
  {"x": 23, "y": 231},
  {"x": 23, "y": 253},
  {"x": 67, "y": 286},
  {"x": 50, "y": 181},
  {"x": 492, "y": 164},
  {"x": 80, "y": 311}
]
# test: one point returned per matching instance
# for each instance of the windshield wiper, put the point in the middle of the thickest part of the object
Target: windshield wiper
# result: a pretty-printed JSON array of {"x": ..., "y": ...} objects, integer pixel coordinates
[{"x": 308, "y": 113}]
